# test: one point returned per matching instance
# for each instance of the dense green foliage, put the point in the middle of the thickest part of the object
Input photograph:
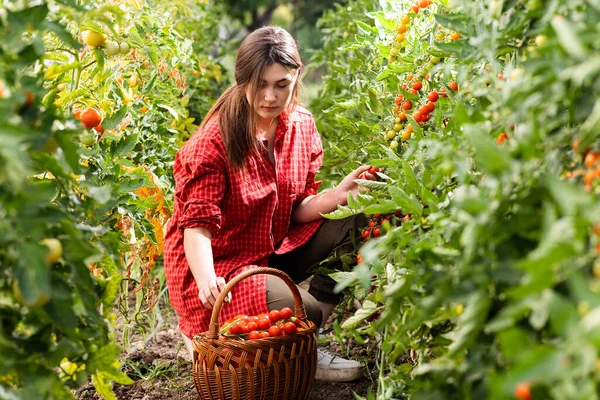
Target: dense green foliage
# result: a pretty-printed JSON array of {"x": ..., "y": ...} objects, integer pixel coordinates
[
  {"x": 489, "y": 276},
  {"x": 83, "y": 209}
]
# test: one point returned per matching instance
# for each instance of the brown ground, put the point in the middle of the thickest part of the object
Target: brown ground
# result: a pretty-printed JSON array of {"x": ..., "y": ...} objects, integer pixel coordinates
[{"x": 161, "y": 372}]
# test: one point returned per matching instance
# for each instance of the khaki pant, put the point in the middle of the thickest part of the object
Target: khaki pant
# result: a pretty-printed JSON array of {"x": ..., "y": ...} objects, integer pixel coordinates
[{"x": 333, "y": 238}]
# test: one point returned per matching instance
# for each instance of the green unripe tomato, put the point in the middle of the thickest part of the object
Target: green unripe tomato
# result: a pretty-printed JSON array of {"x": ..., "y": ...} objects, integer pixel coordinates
[
  {"x": 394, "y": 145},
  {"x": 124, "y": 48},
  {"x": 111, "y": 48},
  {"x": 87, "y": 139}
]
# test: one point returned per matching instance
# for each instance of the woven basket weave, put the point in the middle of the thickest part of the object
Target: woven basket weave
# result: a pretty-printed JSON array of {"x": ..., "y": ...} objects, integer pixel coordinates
[{"x": 274, "y": 368}]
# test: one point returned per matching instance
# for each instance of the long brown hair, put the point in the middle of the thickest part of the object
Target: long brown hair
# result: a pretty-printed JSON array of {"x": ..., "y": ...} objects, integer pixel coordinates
[{"x": 237, "y": 119}]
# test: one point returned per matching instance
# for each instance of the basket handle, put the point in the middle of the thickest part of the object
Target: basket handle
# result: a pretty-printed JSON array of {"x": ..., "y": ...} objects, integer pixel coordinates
[{"x": 299, "y": 309}]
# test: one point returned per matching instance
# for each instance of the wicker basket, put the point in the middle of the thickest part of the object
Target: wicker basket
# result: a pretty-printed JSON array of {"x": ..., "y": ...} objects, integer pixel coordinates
[{"x": 273, "y": 368}]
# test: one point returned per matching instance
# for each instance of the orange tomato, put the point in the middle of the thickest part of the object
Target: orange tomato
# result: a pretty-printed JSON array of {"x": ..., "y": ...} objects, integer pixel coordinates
[
  {"x": 523, "y": 391},
  {"x": 591, "y": 159},
  {"x": 91, "y": 118}
]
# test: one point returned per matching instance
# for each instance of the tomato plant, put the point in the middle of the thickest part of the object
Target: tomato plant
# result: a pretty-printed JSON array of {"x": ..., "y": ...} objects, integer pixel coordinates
[
  {"x": 83, "y": 203},
  {"x": 486, "y": 279}
]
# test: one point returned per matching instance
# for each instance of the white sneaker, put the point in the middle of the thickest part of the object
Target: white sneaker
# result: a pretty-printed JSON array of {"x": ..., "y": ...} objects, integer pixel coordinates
[{"x": 332, "y": 368}]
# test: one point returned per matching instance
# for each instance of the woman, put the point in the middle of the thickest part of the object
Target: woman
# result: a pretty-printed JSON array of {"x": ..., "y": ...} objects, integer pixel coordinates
[{"x": 246, "y": 196}]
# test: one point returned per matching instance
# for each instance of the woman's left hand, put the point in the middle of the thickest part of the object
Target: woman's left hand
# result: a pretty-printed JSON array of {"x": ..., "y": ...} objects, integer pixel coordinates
[{"x": 347, "y": 185}]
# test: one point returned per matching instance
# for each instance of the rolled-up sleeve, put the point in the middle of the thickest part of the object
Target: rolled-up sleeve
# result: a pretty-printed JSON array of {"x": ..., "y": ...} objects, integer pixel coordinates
[
  {"x": 316, "y": 160},
  {"x": 200, "y": 181}
]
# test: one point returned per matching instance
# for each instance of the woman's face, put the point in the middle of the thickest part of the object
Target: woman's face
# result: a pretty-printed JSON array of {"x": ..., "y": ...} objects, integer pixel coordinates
[{"x": 274, "y": 92}]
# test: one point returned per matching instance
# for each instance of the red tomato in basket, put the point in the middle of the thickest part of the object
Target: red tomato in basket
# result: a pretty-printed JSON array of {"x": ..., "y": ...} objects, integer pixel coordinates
[
  {"x": 264, "y": 323},
  {"x": 252, "y": 326},
  {"x": 252, "y": 319},
  {"x": 244, "y": 328},
  {"x": 296, "y": 321},
  {"x": 289, "y": 327},
  {"x": 235, "y": 329},
  {"x": 286, "y": 313},
  {"x": 264, "y": 335},
  {"x": 274, "y": 331},
  {"x": 254, "y": 335},
  {"x": 274, "y": 316}
]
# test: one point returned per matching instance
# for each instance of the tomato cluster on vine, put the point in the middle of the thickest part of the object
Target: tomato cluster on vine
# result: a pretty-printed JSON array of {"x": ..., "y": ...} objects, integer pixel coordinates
[{"x": 275, "y": 323}]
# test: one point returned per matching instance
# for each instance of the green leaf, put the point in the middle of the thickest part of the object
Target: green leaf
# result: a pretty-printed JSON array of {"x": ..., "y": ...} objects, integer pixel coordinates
[
  {"x": 569, "y": 197},
  {"x": 411, "y": 183},
  {"x": 456, "y": 22},
  {"x": 103, "y": 359},
  {"x": 563, "y": 315},
  {"x": 32, "y": 273},
  {"x": 408, "y": 204},
  {"x": 125, "y": 147},
  {"x": 360, "y": 315},
  {"x": 63, "y": 34},
  {"x": 113, "y": 120},
  {"x": 470, "y": 322},
  {"x": 341, "y": 105},
  {"x": 491, "y": 157},
  {"x": 568, "y": 38},
  {"x": 388, "y": 24},
  {"x": 365, "y": 28},
  {"x": 103, "y": 387}
]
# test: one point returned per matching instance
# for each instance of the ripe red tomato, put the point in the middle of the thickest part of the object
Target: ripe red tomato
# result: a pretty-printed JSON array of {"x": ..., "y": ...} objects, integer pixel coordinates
[
  {"x": 417, "y": 117},
  {"x": 264, "y": 335},
  {"x": 453, "y": 85},
  {"x": 223, "y": 338},
  {"x": 423, "y": 110},
  {"x": 373, "y": 170},
  {"x": 252, "y": 326},
  {"x": 252, "y": 319},
  {"x": 410, "y": 77},
  {"x": 423, "y": 3},
  {"x": 431, "y": 106},
  {"x": 402, "y": 116},
  {"x": 264, "y": 323},
  {"x": 365, "y": 233},
  {"x": 91, "y": 118},
  {"x": 274, "y": 315},
  {"x": 415, "y": 8},
  {"x": 425, "y": 117},
  {"x": 286, "y": 313},
  {"x": 254, "y": 335},
  {"x": 235, "y": 329},
  {"x": 433, "y": 96},
  {"x": 244, "y": 328},
  {"x": 443, "y": 92},
  {"x": 274, "y": 331},
  {"x": 289, "y": 327},
  {"x": 417, "y": 85},
  {"x": 376, "y": 232},
  {"x": 407, "y": 105}
]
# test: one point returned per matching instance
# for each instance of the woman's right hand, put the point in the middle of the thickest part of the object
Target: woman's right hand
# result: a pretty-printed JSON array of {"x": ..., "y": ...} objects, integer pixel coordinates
[{"x": 209, "y": 289}]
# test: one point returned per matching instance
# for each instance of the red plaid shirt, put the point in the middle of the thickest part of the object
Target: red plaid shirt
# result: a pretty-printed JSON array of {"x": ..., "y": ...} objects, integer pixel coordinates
[{"x": 248, "y": 214}]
